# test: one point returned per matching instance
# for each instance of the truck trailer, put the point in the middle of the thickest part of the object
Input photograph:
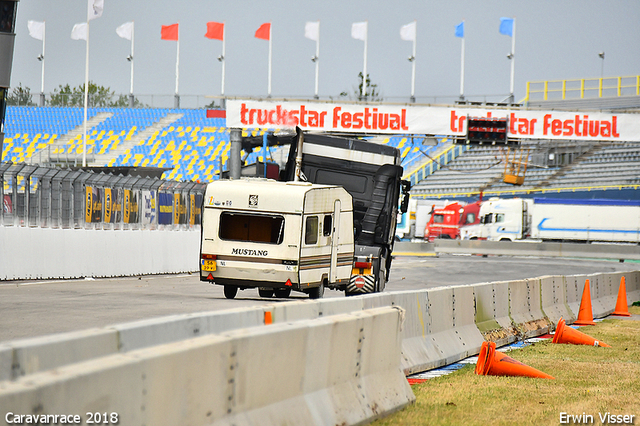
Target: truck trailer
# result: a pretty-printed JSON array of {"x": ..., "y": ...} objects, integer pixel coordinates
[{"x": 548, "y": 219}]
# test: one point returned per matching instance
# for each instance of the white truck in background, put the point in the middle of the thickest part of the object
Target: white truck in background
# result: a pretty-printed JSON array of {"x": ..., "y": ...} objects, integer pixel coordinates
[{"x": 548, "y": 219}]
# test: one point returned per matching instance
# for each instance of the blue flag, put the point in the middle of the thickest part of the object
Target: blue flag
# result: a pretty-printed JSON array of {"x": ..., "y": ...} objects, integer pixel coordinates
[
  {"x": 506, "y": 26},
  {"x": 460, "y": 29}
]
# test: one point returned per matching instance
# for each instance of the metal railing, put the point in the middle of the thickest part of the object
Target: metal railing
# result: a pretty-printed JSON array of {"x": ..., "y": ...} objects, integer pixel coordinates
[
  {"x": 586, "y": 88},
  {"x": 433, "y": 164},
  {"x": 35, "y": 196}
]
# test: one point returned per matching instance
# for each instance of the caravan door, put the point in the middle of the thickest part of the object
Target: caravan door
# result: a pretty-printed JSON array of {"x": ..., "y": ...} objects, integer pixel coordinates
[{"x": 333, "y": 270}]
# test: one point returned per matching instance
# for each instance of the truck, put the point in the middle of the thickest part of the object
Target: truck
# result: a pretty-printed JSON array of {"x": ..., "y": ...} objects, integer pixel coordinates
[
  {"x": 276, "y": 236},
  {"x": 444, "y": 223},
  {"x": 448, "y": 222},
  {"x": 548, "y": 219},
  {"x": 371, "y": 173}
]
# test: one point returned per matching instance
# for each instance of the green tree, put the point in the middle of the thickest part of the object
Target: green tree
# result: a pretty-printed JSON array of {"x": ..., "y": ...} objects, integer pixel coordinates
[
  {"x": 99, "y": 96},
  {"x": 371, "y": 92},
  {"x": 123, "y": 102},
  {"x": 65, "y": 96},
  {"x": 20, "y": 96}
]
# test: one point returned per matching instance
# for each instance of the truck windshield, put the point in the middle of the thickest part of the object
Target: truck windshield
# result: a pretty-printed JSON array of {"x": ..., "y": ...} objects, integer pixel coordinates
[{"x": 251, "y": 228}]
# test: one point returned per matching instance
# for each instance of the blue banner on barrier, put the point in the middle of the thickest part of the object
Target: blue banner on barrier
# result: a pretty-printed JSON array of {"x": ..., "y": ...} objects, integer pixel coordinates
[{"x": 165, "y": 208}]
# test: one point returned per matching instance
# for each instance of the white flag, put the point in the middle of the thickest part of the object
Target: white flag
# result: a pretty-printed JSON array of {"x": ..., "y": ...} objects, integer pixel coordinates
[
  {"x": 408, "y": 32},
  {"x": 359, "y": 30},
  {"x": 79, "y": 31},
  {"x": 312, "y": 30},
  {"x": 125, "y": 30},
  {"x": 94, "y": 9},
  {"x": 36, "y": 29}
]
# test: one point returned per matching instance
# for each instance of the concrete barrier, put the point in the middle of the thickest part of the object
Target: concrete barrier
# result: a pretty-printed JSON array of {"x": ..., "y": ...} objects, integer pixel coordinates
[
  {"x": 157, "y": 331},
  {"x": 574, "y": 287},
  {"x": 553, "y": 292},
  {"x": 6, "y": 362},
  {"x": 442, "y": 325},
  {"x": 81, "y": 253},
  {"x": 29, "y": 356},
  {"x": 452, "y": 331},
  {"x": 335, "y": 370},
  {"x": 492, "y": 312},
  {"x": 633, "y": 286},
  {"x": 525, "y": 308},
  {"x": 601, "y": 299},
  {"x": 419, "y": 351}
]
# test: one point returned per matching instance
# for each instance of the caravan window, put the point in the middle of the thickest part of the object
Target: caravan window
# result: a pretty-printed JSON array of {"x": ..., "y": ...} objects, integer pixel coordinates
[
  {"x": 326, "y": 228},
  {"x": 251, "y": 227},
  {"x": 311, "y": 230}
]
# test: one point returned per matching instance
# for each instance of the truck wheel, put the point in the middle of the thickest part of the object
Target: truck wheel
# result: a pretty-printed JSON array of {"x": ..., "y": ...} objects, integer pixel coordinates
[
  {"x": 282, "y": 292},
  {"x": 230, "y": 291},
  {"x": 318, "y": 292},
  {"x": 265, "y": 292}
]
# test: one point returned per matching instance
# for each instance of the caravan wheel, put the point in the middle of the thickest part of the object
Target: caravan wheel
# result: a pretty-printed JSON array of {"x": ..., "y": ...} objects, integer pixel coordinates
[
  {"x": 265, "y": 292},
  {"x": 282, "y": 292},
  {"x": 318, "y": 292},
  {"x": 230, "y": 291}
]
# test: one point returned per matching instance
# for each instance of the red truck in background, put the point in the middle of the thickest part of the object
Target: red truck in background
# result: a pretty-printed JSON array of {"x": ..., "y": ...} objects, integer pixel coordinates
[{"x": 446, "y": 222}]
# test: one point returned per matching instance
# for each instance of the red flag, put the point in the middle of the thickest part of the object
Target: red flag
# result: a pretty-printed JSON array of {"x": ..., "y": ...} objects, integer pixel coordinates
[
  {"x": 169, "y": 32},
  {"x": 215, "y": 30},
  {"x": 264, "y": 32}
]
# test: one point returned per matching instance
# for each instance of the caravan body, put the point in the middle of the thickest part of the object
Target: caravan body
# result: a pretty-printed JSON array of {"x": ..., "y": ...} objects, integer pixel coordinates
[{"x": 276, "y": 236}]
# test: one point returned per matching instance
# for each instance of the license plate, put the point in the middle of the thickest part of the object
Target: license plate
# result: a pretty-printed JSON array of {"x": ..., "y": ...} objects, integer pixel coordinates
[{"x": 209, "y": 265}]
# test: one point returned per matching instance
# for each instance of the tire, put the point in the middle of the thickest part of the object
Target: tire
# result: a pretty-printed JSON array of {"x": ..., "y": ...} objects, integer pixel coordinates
[
  {"x": 318, "y": 292},
  {"x": 230, "y": 291},
  {"x": 283, "y": 292},
  {"x": 267, "y": 292}
]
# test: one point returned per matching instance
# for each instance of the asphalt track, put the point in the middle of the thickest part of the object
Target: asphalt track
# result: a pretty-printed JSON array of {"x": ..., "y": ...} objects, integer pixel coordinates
[{"x": 36, "y": 308}]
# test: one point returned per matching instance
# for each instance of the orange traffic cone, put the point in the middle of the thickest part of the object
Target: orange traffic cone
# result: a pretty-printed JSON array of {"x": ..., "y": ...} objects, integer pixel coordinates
[
  {"x": 585, "y": 314},
  {"x": 566, "y": 334},
  {"x": 494, "y": 363},
  {"x": 622, "y": 309}
]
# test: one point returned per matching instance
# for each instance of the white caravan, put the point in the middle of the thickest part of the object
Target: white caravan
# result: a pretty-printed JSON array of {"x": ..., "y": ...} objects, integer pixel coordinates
[{"x": 276, "y": 236}]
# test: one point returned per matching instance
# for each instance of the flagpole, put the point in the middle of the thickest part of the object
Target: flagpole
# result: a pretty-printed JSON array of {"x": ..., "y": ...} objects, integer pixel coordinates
[
  {"x": 317, "y": 61},
  {"x": 363, "y": 90},
  {"x": 513, "y": 60},
  {"x": 462, "y": 71},
  {"x": 224, "y": 39},
  {"x": 176, "y": 102},
  {"x": 269, "y": 85},
  {"x": 86, "y": 101},
  {"x": 131, "y": 88},
  {"x": 413, "y": 65},
  {"x": 42, "y": 76}
]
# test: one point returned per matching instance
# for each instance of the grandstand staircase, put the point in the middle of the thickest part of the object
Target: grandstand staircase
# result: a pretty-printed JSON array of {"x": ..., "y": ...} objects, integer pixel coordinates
[
  {"x": 45, "y": 153},
  {"x": 79, "y": 130},
  {"x": 142, "y": 136}
]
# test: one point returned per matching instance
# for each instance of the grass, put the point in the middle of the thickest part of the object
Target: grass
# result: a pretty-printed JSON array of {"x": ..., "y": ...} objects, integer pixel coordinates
[{"x": 588, "y": 379}]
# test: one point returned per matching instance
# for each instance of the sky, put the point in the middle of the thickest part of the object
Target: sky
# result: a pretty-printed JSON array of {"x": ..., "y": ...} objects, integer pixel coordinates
[{"x": 555, "y": 40}]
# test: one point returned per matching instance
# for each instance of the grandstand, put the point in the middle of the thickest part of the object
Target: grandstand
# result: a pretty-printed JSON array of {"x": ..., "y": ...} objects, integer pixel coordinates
[
  {"x": 192, "y": 147},
  {"x": 592, "y": 170}
]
